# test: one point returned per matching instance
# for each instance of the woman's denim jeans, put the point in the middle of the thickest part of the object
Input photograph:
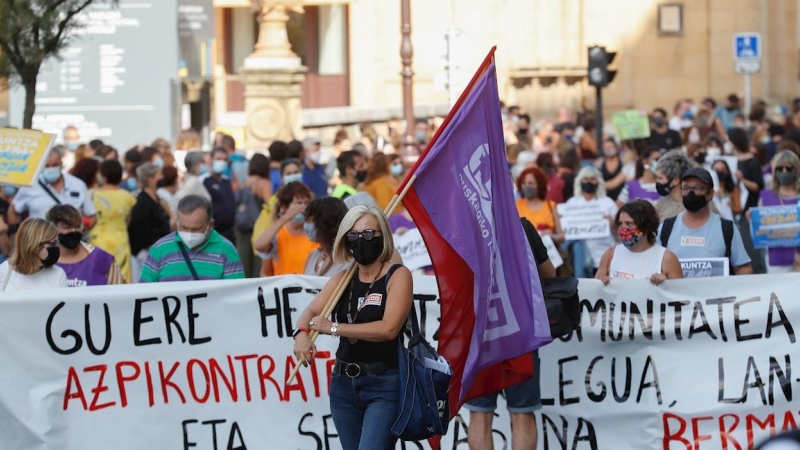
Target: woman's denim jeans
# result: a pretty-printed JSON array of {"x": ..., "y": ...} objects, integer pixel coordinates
[{"x": 364, "y": 409}]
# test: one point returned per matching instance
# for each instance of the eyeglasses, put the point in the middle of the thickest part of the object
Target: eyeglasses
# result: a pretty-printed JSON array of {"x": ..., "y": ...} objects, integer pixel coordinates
[
  {"x": 784, "y": 169},
  {"x": 694, "y": 189},
  {"x": 367, "y": 235}
]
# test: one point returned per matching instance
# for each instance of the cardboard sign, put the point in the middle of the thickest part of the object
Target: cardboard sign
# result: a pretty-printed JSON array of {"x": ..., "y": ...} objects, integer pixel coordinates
[
  {"x": 412, "y": 249},
  {"x": 705, "y": 267},
  {"x": 775, "y": 226},
  {"x": 631, "y": 124},
  {"x": 583, "y": 221},
  {"x": 23, "y": 153},
  {"x": 552, "y": 251}
]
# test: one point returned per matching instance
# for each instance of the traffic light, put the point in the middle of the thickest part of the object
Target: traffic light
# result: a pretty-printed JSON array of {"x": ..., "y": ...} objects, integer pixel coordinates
[{"x": 599, "y": 60}]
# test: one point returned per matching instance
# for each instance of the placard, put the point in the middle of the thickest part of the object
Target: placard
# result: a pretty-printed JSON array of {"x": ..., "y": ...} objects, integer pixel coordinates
[
  {"x": 412, "y": 249},
  {"x": 631, "y": 124},
  {"x": 705, "y": 267},
  {"x": 552, "y": 251},
  {"x": 23, "y": 154},
  {"x": 775, "y": 226},
  {"x": 583, "y": 221}
]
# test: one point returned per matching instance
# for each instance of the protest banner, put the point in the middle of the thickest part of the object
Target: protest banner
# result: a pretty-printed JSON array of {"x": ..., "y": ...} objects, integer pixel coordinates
[
  {"x": 23, "y": 153},
  {"x": 202, "y": 365},
  {"x": 705, "y": 267},
  {"x": 552, "y": 251},
  {"x": 775, "y": 226},
  {"x": 412, "y": 249},
  {"x": 583, "y": 221},
  {"x": 631, "y": 124}
]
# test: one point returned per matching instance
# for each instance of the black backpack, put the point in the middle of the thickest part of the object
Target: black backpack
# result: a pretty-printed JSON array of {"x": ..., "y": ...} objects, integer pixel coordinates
[
  {"x": 727, "y": 235},
  {"x": 563, "y": 305},
  {"x": 248, "y": 207}
]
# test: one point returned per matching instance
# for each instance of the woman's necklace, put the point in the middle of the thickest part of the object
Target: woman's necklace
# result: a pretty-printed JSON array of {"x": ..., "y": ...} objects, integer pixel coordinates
[{"x": 350, "y": 317}]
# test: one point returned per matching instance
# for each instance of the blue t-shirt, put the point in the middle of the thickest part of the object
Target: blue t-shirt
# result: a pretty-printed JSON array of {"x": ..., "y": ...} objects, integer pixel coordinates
[
  {"x": 275, "y": 177},
  {"x": 315, "y": 180},
  {"x": 704, "y": 242},
  {"x": 238, "y": 168}
]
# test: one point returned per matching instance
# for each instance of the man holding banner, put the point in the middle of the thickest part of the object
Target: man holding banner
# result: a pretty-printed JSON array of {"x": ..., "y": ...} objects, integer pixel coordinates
[
  {"x": 53, "y": 188},
  {"x": 695, "y": 234}
]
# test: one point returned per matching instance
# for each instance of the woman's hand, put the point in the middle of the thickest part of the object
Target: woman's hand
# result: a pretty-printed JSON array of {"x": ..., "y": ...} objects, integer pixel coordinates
[
  {"x": 304, "y": 349},
  {"x": 605, "y": 280},
  {"x": 293, "y": 210},
  {"x": 657, "y": 278},
  {"x": 320, "y": 324}
]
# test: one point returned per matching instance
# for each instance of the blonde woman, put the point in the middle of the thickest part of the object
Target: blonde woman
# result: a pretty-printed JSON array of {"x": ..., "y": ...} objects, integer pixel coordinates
[
  {"x": 368, "y": 320},
  {"x": 32, "y": 263},
  {"x": 784, "y": 190}
]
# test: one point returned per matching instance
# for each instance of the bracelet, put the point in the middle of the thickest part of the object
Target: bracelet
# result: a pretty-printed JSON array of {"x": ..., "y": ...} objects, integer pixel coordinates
[
  {"x": 298, "y": 331},
  {"x": 334, "y": 327}
]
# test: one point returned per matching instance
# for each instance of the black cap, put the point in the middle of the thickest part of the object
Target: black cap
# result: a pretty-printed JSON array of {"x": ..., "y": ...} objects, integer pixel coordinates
[{"x": 699, "y": 173}]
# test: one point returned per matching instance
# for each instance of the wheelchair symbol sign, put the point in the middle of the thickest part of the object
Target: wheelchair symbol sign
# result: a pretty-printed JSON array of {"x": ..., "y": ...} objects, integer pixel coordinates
[{"x": 747, "y": 46}]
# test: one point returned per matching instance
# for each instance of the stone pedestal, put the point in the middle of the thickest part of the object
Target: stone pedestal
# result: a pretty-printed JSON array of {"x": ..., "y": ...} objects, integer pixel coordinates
[{"x": 272, "y": 104}]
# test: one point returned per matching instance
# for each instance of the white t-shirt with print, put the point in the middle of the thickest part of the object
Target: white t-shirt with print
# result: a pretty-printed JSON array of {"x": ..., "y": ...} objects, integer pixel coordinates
[{"x": 51, "y": 277}]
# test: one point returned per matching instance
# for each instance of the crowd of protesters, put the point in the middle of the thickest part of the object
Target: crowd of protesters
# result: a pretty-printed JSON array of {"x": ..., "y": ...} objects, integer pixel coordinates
[{"x": 280, "y": 209}]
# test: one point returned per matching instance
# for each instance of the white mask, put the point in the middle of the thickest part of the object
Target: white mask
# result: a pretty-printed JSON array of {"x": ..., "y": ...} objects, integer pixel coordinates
[
  {"x": 313, "y": 157},
  {"x": 192, "y": 240},
  {"x": 713, "y": 151}
]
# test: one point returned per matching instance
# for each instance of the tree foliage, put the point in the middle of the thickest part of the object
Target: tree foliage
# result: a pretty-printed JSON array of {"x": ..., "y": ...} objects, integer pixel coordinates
[{"x": 31, "y": 31}]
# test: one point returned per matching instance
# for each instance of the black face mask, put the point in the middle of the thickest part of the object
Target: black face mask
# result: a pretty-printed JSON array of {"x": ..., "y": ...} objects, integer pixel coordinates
[
  {"x": 523, "y": 130},
  {"x": 53, "y": 253},
  {"x": 589, "y": 188},
  {"x": 70, "y": 240},
  {"x": 725, "y": 180},
  {"x": 693, "y": 202},
  {"x": 361, "y": 175},
  {"x": 366, "y": 252},
  {"x": 663, "y": 189},
  {"x": 700, "y": 158}
]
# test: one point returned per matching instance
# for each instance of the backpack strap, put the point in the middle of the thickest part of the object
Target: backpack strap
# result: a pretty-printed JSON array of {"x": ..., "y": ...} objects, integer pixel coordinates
[
  {"x": 666, "y": 230},
  {"x": 727, "y": 234}
]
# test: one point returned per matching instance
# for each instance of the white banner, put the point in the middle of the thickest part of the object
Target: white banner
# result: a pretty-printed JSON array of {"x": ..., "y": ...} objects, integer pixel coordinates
[
  {"x": 412, "y": 249},
  {"x": 583, "y": 221},
  {"x": 201, "y": 365}
]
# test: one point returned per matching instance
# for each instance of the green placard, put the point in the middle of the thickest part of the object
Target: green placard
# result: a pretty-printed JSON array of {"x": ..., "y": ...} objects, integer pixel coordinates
[{"x": 631, "y": 124}]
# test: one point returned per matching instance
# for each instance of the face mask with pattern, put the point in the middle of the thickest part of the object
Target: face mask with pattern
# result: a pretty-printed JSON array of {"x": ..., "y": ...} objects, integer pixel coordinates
[{"x": 630, "y": 236}]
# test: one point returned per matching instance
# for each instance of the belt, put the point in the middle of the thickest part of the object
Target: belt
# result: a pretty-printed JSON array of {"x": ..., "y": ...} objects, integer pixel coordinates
[{"x": 354, "y": 370}]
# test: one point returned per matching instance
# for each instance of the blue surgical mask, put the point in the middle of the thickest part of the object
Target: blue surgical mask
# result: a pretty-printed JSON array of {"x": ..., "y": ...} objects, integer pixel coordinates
[
  {"x": 421, "y": 136},
  {"x": 299, "y": 218},
  {"x": 51, "y": 174},
  {"x": 397, "y": 169},
  {"x": 311, "y": 231},
  {"x": 294, "y": 177},
  {"x": 131, "y": 183},
  {"x": 219, "y": 166},
  {"x": 203, "y": 170},
  {"x": 73, "y": 145},
  {"x": 766, "y": 139},
  {"x": 158, "y": 162},
  {"x": 10, "y": 190}
]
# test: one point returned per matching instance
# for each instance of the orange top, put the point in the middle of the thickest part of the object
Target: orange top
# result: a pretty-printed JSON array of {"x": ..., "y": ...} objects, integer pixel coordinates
[
  {"x": 541, "y": 219},
  {"x": 292, "y": 252},
  {"x": 382, "y": 190}
]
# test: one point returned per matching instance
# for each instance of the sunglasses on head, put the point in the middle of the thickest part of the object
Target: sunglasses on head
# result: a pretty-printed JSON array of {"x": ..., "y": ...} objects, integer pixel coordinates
[
  {"x": 367, "y": 235},
  {"x": 784, "y": 169}
]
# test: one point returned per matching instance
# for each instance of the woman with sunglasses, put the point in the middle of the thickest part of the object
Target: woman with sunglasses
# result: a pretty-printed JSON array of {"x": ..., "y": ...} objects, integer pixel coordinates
[
  {"x": 372, "y": 311},
  {"x": 32, "y": 263},
  {"x": 784, "y": 190}
]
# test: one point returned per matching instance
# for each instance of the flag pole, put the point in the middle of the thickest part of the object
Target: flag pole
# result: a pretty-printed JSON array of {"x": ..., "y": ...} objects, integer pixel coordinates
[{"x": 398, "y": 197}]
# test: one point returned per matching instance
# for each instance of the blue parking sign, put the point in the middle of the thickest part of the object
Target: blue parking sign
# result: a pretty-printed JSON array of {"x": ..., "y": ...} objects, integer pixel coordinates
[{"x": 747, "y": 46}]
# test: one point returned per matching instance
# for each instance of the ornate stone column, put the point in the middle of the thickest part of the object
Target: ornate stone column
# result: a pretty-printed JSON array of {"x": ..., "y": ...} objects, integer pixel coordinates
[{"x": 272, "y": 75}]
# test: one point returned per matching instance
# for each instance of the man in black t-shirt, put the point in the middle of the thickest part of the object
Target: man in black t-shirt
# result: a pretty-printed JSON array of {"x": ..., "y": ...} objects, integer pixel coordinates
[
  {"x": 521, "y": 399},
  {"x": 661, "y": 135}
]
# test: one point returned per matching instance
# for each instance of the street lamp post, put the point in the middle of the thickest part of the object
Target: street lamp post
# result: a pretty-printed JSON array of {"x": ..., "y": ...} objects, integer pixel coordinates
[{"x": 409, "y": 151}]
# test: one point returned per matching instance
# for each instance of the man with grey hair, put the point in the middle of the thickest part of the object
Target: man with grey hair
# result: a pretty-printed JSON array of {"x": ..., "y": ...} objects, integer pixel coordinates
[
  {"x": 195, "y": 251},
  {"x": 197, "y": 164},
  {"x": 668, "y": 173},
  {"x": 52, "y": 187}
]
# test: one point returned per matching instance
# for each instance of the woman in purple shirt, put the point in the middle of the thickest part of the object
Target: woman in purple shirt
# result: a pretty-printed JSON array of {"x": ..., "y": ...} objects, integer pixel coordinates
[
  {"x": 85, "y": 265},
  {"x": 784, "y": 190},
  {"x": 644, "y": 185}
]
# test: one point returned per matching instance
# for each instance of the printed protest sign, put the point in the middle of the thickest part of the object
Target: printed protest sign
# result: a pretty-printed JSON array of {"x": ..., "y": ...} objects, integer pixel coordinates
[
  {"x": 631, "y": 124},
  {"x": 203, "y": 365},
  {"x": 412, "y": 249},
  {"x": 552, "y": 251},
  {"x": 705, "y": 267},
  {"x": 23, "y": 153},
  {"x": 775, "y": 226},
  {"x": 583, "y": 221}
]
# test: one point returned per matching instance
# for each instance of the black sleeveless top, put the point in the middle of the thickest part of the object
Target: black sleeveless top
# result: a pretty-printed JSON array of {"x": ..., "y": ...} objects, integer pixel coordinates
[
  {"x": 607, "y": 176},
  {"x": 372, "y": 306}
]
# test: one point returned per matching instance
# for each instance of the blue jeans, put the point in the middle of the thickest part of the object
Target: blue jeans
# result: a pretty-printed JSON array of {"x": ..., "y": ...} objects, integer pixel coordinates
[{"x": 364, "y": 409}]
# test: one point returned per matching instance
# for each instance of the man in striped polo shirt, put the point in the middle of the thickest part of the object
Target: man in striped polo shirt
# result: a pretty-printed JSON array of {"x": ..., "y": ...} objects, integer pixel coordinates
[{"x": 195, "y": 252}]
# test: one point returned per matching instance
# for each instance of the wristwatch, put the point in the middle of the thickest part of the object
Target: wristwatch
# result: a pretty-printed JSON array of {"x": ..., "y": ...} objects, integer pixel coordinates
[
  {"x": 334, "y": 327},
  {"x": 298, "y": 331}
]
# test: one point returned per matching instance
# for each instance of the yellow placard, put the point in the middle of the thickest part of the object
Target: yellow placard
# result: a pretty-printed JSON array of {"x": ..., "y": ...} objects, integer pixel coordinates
[{"x": 22, "y": 155}]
